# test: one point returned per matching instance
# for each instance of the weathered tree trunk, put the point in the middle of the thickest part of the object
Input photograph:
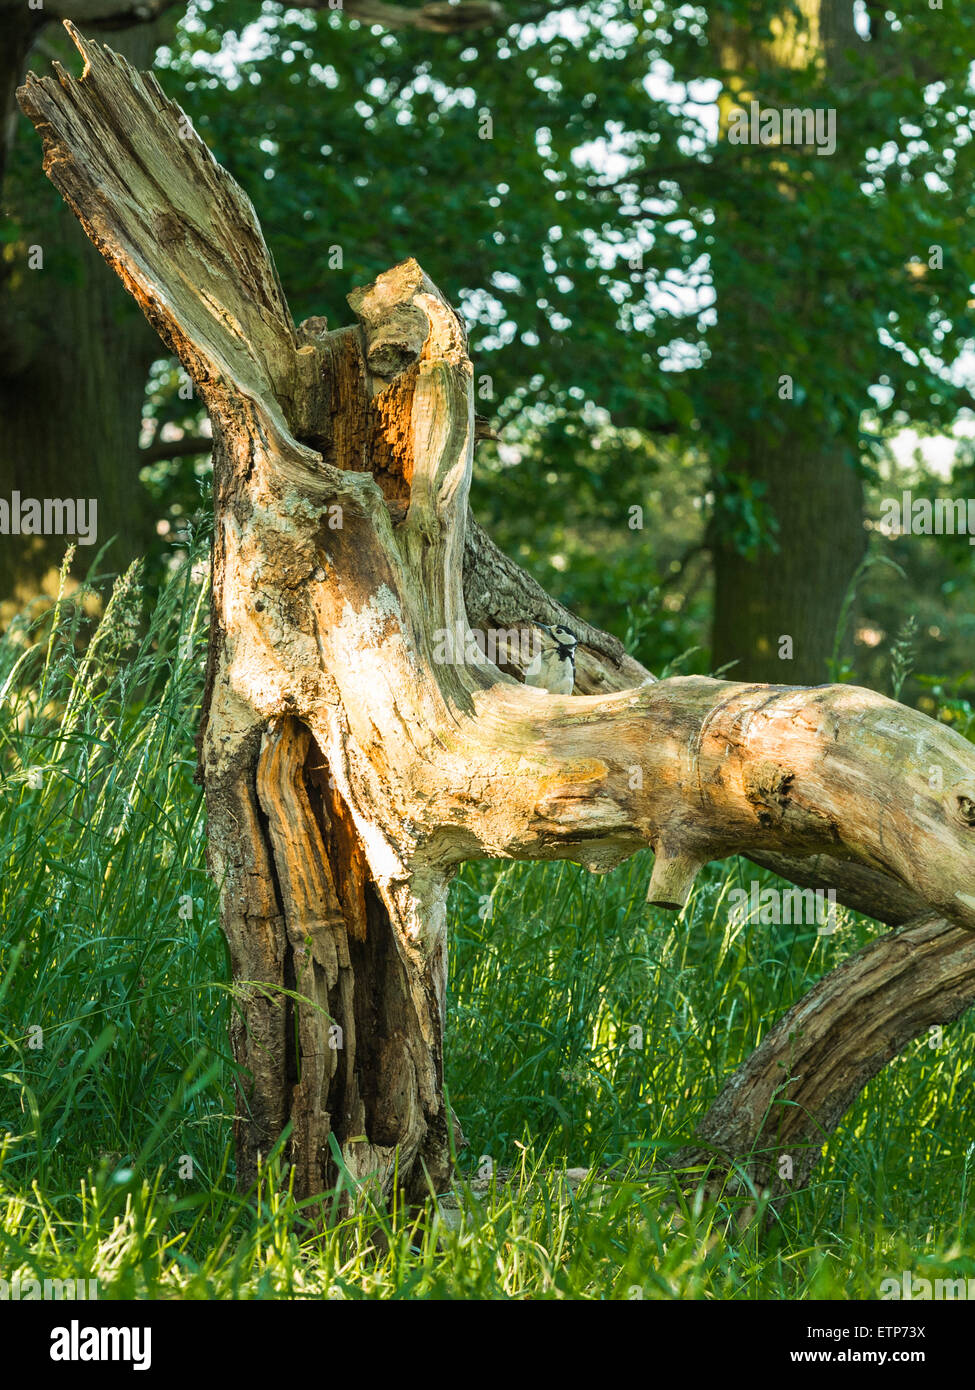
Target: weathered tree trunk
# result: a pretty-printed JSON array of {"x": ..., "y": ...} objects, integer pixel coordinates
[{"x": 350, "y": 765}]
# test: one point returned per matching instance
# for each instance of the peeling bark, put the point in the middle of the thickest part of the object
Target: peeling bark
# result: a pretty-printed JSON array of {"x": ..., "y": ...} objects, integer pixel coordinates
[{"x": 349, "y": 768}]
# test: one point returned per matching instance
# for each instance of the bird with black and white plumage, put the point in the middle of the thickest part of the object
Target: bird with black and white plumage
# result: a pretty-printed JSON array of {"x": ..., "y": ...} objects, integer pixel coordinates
[{"x": 554, "y": 666}]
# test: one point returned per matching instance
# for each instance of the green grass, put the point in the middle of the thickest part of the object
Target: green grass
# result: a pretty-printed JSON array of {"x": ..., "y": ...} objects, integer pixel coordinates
[{"x": 585, "y": 1030}]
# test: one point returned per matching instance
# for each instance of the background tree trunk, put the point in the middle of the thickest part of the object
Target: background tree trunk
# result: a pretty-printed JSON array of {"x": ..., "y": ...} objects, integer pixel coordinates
[
  {"x": 806, "y": 478},
  {"x": 74, "y": 358},
  {"x": 776, "y": 614}
]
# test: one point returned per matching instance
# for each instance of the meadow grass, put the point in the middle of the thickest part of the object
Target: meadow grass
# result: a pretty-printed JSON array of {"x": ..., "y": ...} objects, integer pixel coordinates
[{"x": 586, "y": 1030}]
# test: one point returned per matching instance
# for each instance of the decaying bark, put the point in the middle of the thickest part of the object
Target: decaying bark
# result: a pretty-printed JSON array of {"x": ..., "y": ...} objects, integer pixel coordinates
[{"x": 350, "y": 767}]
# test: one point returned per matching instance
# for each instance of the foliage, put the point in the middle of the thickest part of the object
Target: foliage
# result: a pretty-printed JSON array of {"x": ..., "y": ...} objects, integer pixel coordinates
[
  {"x": 564, "y": 180},
  {"x": 635, "y": 283}
]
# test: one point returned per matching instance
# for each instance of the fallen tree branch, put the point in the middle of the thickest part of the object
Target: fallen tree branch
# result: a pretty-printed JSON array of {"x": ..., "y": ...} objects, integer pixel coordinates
[
  {"x": 773, "y": 1116},
  {"x": 94, "y": 14},
  {"x": 175, "y": 448},
  {"x": 436, "y": 17}
]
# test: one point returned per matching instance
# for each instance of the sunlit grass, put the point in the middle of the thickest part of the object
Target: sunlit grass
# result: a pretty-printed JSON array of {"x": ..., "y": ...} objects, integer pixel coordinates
[{"x": 585, "y": 1031}]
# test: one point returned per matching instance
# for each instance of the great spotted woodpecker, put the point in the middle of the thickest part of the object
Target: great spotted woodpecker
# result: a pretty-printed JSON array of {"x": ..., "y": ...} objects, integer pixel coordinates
[{"x": 554, "y": 668}]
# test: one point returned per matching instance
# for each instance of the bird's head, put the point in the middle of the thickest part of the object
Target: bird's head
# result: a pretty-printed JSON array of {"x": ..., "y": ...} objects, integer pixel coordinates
[{"x": 561, "y": 635}]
